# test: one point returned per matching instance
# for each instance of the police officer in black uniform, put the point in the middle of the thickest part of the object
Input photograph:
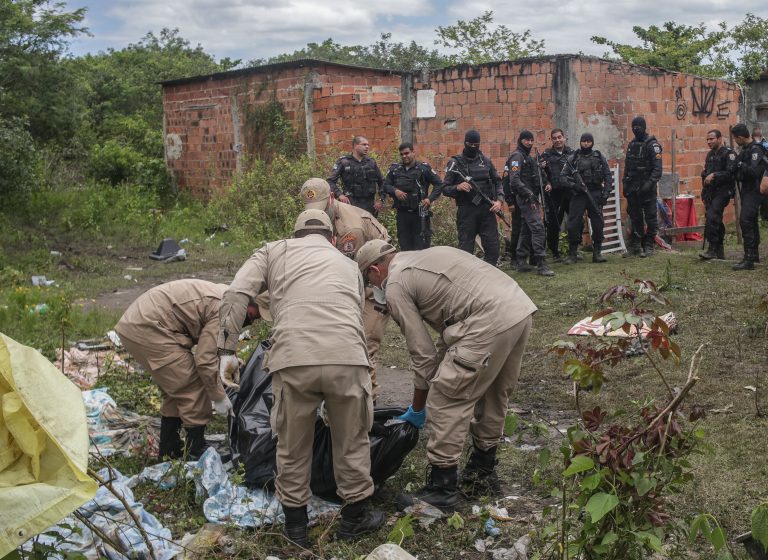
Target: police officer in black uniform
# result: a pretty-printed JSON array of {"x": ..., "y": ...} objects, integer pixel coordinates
[
  {"x": 524, "y": 186},
  {"x": 408, "y": 184},
  {"x": 718, "y": 189},
  {"x": 642, "y": 171},
  {"x": 750, "y": 165},
  {"x": 592, "y": 183},
  {"x": 474, "y": 214},
  {"x": 558, "y": 190},
  {"x": 360, "y": 177}
]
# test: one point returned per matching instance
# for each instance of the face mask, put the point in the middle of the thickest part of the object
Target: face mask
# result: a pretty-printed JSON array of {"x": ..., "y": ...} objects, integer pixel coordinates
[
  {"x": 471, "y": 152},
  {"x": 379, "y": 295}
]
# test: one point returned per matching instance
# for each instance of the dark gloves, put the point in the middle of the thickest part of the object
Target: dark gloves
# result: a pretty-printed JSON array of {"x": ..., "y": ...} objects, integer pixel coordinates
[
  {"x": 604, "y": 195},
  {"x": 647, "y": 187}
]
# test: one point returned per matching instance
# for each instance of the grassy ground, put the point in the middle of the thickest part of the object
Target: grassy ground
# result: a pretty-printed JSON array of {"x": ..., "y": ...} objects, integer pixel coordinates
[{"x": 714, "y": 305}]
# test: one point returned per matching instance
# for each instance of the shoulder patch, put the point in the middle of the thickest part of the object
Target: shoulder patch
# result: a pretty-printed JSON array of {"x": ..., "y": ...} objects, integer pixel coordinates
[
  {"x": 514, "y": 163},
  {"x": 657, "y": 148},
  {"x": 731, "y": 156},
  {"x": 658, "y": 156},
  {"x": 755, "y": 155}
]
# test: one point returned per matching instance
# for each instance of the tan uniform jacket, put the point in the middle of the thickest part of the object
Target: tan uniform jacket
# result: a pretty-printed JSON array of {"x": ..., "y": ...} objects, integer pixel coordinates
[
  {"x": 455, "y": 293},
  {"x": 353, "y": 227},
  {"x": 168, "y": 320},
  {"x": 316, "y": 300}
]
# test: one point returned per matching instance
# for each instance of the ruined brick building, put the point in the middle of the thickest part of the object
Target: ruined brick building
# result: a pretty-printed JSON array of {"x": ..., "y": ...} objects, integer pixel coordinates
[{"x": 212, "y": 123}]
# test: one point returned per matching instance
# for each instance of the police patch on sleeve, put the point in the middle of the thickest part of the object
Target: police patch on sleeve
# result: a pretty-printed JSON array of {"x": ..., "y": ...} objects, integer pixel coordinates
[
  {"x": 755, "y": 156},
  {"x": 732, "y": 156},
  {"x": 657, "y": 148}
]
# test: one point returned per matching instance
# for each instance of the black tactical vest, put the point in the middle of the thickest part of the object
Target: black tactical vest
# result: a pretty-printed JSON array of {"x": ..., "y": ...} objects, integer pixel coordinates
[
  {"x": 359, "y": 177},
  {"x": 640, "y": 156},
  {"x": 479, "y": 169},
  {"x": 410, "y": 181},
  {"x": 589, "y": 167}
]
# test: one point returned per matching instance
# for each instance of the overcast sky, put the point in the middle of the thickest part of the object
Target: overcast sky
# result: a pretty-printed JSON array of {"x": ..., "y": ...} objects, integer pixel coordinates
[{"x": 249, "y": 29}]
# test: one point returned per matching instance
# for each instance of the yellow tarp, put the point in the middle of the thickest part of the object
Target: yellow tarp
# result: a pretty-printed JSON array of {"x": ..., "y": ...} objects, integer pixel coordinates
[{"x": 43, "y": 445}]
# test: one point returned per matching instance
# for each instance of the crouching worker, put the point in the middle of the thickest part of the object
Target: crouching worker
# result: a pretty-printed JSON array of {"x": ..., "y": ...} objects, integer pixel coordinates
[
  {"x": 483, "y": 318},
  {"x": 159, "y": 330},
  {"x": 317, "y": 353}
]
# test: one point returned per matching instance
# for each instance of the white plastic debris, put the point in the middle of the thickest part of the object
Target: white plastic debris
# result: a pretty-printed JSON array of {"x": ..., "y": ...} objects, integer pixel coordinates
[{"x": 389, "y": 551}]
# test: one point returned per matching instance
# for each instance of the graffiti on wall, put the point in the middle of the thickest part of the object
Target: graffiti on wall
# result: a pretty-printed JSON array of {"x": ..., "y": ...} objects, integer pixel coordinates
[{"x": 702, "y": 102}]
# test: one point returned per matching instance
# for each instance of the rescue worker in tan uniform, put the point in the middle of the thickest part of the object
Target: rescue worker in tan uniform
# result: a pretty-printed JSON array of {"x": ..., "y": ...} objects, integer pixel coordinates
[
  {"x": 352, "y": 227},
  {"x": 317, "y": 353},
  {"x": 159, "y": 330},
  {"x": 483, "y": 318}
]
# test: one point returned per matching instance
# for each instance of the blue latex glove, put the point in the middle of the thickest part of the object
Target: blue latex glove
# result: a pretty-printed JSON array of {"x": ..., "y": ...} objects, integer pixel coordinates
[{"x": 414, "y": 418}]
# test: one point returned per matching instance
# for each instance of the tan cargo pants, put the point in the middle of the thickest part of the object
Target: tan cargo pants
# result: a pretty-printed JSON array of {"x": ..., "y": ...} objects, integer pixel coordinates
[
  {"x": 183, "y": 392},
  {"x": 298, "y": 391},
  {"x": 470, "y": 392},
  {"x": 375, "y": 318}
]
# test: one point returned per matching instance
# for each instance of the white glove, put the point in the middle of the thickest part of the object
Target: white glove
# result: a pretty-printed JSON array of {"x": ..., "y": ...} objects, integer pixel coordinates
[
  {"x": 229, "y": 370},
  {"x": 223, "y": 407}
]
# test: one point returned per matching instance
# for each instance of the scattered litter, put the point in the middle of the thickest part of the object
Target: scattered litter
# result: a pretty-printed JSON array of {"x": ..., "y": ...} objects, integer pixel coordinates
[
  {"x": 185, "y": 240},
  {"x": 83, "y": 366},
  {"x": 237, "y": 505},
  {"x": 726, "y": 408},
  {"x": 113, "y": 430},
  {"x": 392, "y": 367},
  {"x": 109, "y": 246},
  {"x": 424, "y": 512},
  {"x": 134, "y": 268},
  {"x": 213, "y": 229},
  {"x": 39, "y": 309},
  {"x": 491, "y": 529},
  {"x": 181, "y": 255},
  {"x": 196, "y": 545},
  {"x": 528, "y": 447},
  {"x": 588, "y": 327},
  {"x": 42, "y": 281},
  {"x": 751, "y": 388},
  {"x": 169, "y": 251},
  {"x": 115, "y": 338},
  {"x": 55, "y": 253},
  {"x": 480, "y": 545},
  {"x": 128, "y": 277},
  {"x": 224, "y": 244},
  {"x": 389, "y": 551},
  {"x": 109, "y": 515},
  {"x": 93, "y": 344},
  {"x": 519, "y": 550}
]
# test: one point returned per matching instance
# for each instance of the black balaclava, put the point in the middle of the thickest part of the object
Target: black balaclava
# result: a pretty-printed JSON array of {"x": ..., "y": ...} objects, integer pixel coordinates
[
  {"x": 587, "y": 137},
  {"x": 639, "y": 127},
  {"x": 471, "y": 137},
  {"x": 524, "y": 135}
]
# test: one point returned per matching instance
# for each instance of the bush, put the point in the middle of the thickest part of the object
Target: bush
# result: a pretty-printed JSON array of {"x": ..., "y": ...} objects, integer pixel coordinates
[
  {"x": 119, "y": 163},
  {"x": 20, "y": 168},
  {"x": 261, "y": 205}
]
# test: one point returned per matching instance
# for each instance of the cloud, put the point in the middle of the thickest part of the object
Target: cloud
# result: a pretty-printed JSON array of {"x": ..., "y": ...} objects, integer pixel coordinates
[{"x": 250, "y": 29}]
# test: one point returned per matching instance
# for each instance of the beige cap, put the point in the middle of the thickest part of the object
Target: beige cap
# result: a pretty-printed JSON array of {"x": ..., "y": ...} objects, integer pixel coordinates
[
  {"x": 315, "y": 193},
  {"x": 371, "y": 252},
  {"x": 262, "y": 301},
  {"x": 313, "y": 219}
]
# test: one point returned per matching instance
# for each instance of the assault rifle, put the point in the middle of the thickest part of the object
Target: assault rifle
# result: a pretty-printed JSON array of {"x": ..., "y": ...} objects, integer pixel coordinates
[
  {"x": 468, "y": 179},
  {"x": 541, "y": 189},
  {"x": 423, "y": 215},
  {"x": 581, "y": 186}
]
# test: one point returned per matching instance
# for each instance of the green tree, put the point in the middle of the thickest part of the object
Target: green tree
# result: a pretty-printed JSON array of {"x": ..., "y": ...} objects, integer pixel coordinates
[
  {"x": 478, "y": 41},
  {"x": 384, "y": 53},
  {"x": 34, "y": 85},
  {"x": 680, "y": 48},
  {"x": 748, "y": 41}
]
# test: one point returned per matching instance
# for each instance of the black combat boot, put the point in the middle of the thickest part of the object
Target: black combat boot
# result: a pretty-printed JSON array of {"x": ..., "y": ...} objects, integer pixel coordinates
[
  {"x": 650, "y": 247},
  {"x": 295, "y": 528},
  {"x": 573, "y": 254},
  {"x": 440, "y": 491},
  {"x": 170, "y": 437},
  {"x": 557, "y": 257},
  {"x": 542, "y": 269},
  {"x": 633, "y": 248},
  {"x": 479, "y": 477},
  {"x": 358, "y": 519},
  {"x": 194, "y": 445},
  {"x": 710, "y": 253},
  {"x": 747, "y": 263},
  {"x": 719, "y": 251},
  {"x": 597, "y": 253},
  {"x": 522, "y": 266}
]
